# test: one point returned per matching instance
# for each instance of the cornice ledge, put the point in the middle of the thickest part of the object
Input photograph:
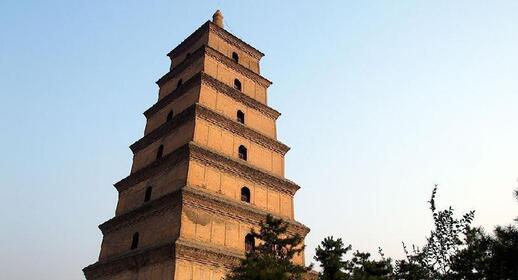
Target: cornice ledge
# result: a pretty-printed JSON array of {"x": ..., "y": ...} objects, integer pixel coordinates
[
  {"x": 253, "y": 213},
  {"x": 234, "y": 40},
  {"x": 211, "y": 116},
  {"x": 180, "y": 67},
  {"x": 177, "y": 121},
  {"x": 202, "y": 77},
  {"x": 180, "y": 196},
  {"x": 216, "y": 159},
  {"x": 168, "y": 161},
  {"x": 189, "y": 40},
  {"x": 192, "y": 150},
  {"x": 215, "y": 256},
  {"x": 206, "y": 253},
  {"x": 236, "y": 66},
  {"x": 156, "y": 206},
  {"x": 130, "y": 261},
  {"x": 244, "y": 131},
  {"x": 174, "y": 94},
  {"x": 205, "y": 49},
  {"x": 225, "y": 35},
  {"x": 238, "y": 95}
]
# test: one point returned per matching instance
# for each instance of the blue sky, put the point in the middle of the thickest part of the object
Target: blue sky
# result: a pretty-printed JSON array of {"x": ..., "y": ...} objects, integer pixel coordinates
[{"x": 380, "y": 100}]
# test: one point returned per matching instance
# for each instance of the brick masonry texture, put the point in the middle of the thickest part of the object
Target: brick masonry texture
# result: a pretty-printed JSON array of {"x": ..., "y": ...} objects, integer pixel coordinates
[{"x": 181, "y": 213}]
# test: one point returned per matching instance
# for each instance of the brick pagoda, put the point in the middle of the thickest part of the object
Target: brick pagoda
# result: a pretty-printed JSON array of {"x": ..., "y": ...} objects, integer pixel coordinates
[{"x": 208, "y": 168}]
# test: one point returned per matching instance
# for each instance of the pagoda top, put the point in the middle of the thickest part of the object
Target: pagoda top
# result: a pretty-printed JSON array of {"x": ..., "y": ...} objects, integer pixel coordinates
[
  {"x": 217, "y": 19},
  {"x": 216, "y": 26}
]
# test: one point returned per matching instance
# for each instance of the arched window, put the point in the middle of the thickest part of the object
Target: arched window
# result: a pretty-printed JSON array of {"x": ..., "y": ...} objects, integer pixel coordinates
[
  {"x": 235, "y": 57},
  {"x": 249, "y": 243},
  {"x": 147, "y": 197},
  {"x": 240, "y": 117},
  {"x": 245, "y": 194},
  {"x": 179, "y": 84},
  {"x": 170, "y": 115},
  {"x": 134, "y": 241},
  {"x": 242, "y": 152},
  {"x": 237, "y": 84},
  {"x": 160, "y": 152}
]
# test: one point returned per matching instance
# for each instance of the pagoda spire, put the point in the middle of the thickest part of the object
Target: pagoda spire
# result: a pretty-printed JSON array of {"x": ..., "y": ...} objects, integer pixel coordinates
[{"x": 217, "y": 19}]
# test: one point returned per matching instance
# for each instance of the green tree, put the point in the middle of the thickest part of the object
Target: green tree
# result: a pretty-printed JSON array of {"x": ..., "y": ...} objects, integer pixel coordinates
[
  {"x": 492, "y": 257},
  {"x": 435, "y": 260},
  {"x": 503, "y": 263},
  {"x": 272, "y": 258},
  {"x": 330, "y": 254},
  {"x": 488, "y": 256},
  {"x": 364, "y": 268},
  {"x": 454, "y": 251},
  {"x": 471, "y": 262}
]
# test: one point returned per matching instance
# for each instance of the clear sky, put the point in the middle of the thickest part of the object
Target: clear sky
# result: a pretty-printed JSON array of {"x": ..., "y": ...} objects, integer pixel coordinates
[{"x": 380, "y": 100}]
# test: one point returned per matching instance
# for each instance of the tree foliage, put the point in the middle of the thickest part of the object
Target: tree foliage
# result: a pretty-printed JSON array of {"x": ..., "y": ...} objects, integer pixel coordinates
[
  {"x": 488, "y": 256},
  {"x": 364, "y": 268},
  {"x": 448, "y": 237},
  {"x": 454, "y": 250},
  {"x": 272, "y": 257},
  {"x": 330, "y": 253}
]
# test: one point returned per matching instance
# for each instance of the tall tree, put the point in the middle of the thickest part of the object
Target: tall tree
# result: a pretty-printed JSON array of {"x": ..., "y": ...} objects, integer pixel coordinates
[
  {"x": 454, "y": 251},
  {"x": 330, "y": 254},
  {"x": 448, "y": 237},
  {"x": 272, "y": 258},
  {"x": 489, "y": 256},
  {"x": 471, "y": 262},
  {"x": 503, "y": 263},
  {"x": 364, "y": 268}
]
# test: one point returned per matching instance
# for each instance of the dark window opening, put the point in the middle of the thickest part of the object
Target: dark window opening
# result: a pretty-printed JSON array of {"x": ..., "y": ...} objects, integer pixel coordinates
[
  {"x": 249, "y": 243},
  {"x": 134, "y": 241},
  {"x": 170, "y": 115},
  {"x": 235, "y": 57},
  {"x": 237, "y": 84},
  {"x": 147, "y": 197},
  {"x": 179, "y": 83},
  {"x": 187, "y": 55},
  {"x": 240, "y": 117},
  {"x": 242, "y": 152},
  {"x": 160, "y": 152},
  {"x": 245, "y": 194}
]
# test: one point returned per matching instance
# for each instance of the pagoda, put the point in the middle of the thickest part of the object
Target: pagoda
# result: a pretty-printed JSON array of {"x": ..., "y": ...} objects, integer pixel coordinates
[{"x": 208, "y": 169}]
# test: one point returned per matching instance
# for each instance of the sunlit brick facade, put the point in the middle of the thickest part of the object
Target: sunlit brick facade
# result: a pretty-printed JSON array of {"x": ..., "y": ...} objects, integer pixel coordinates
[{"x": 208, "y": 169}]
